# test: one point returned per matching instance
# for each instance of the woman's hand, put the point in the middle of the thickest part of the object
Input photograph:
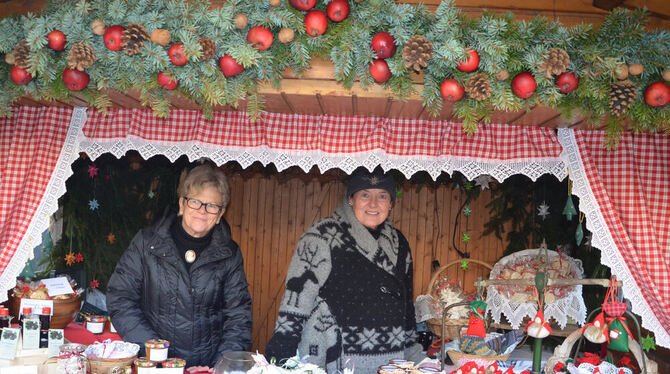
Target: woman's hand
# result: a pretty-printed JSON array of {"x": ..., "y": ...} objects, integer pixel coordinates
[{"x": 199, "y": 369}]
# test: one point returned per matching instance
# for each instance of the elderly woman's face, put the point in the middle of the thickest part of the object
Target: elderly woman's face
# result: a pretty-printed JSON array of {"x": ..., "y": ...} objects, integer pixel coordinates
[
  {"x": 198, "y": 222},
  {"x": 371, "y": 206}
]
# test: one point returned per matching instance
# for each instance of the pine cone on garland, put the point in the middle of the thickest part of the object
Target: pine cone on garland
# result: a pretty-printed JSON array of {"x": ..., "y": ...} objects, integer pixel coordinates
[
  {"x": 622, "y": 95},
  {"x": 478, "y": 87},
  {"x": 208, "y": 49},
  {"x": 22, "y": 54},
  {"x": 82, "y": 55},
  {"x": 555, "y": 63},
  {"x": 132, "y": 38},
  {"x": 417, "y": 52}
]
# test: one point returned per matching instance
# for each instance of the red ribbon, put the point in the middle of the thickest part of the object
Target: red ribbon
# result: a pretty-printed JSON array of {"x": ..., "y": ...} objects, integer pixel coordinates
[{"x": 623, "y": 322}]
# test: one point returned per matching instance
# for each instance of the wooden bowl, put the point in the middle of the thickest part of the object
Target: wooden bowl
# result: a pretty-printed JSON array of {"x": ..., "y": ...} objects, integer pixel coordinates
[{"x": 63, "y": 312}]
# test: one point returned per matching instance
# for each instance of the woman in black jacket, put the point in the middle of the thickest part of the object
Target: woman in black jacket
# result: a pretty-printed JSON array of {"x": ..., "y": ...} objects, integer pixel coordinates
[{"x": 183, "y": 279}]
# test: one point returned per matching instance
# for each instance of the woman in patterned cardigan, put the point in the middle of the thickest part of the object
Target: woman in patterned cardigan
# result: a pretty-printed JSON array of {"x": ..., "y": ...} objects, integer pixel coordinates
[{"x": 349, "y": 286}]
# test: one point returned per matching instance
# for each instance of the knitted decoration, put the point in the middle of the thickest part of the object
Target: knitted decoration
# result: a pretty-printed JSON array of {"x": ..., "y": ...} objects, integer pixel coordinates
[
  {"x": 208, "y": 49},
  {"x": 132, "y": 38},
  {"x": 21, "y": 54},
  {"x": 478, "y": 87},
  {"x": 82, "y": 55},
  {"x": 417, "y": 52},
  {"x": 622, "y": 95},
  {"x": 555, "y": 63}
]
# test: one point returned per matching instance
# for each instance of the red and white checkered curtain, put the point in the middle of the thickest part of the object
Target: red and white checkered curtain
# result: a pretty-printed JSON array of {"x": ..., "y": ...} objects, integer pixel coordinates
[
  {"x": 625, "y": 195},
  {"x": 31, "y": 142}
]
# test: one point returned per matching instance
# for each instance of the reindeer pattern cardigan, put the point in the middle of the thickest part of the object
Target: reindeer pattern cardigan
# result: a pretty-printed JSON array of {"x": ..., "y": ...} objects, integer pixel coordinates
[{"x": 348, "y": 297}]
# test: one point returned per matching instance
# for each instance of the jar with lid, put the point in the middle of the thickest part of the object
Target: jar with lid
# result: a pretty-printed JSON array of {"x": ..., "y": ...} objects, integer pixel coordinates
[
  {"x": 72, "y": 359},
  {"x": 157, "y": 349},
  {"x": 95, "y": 324},
  {"x": 144, "y": 366},
  {"x": 175, "y": 363},
  {"x": 234, "y": 362},
  {"x": 26, "y": 313},
  {"x": 5, "y": 318}
]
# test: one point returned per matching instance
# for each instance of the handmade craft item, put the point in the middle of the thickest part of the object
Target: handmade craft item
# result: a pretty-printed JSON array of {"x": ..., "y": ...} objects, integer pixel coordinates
[
  {"x": 618, "y": 332},
  {"x": 538, "y": 326},
  {"x": 476, "y": 323}
]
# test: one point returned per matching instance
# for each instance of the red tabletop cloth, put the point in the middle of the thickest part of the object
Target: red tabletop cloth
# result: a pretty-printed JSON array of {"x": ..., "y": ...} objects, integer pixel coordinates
[{"x": 77, "y": 333}]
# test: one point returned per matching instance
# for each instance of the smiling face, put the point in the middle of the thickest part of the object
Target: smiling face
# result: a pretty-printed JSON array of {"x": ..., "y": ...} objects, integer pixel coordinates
[
  {"x": 371, "y": 207},
  {"x": 197, "y": 222}
]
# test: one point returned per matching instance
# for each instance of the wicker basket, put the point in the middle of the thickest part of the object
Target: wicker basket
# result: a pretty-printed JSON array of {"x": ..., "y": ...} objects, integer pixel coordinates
[
  {"x": 459, "y": 358},
  {"x": 452, "y": 326},
  {"x": 109, "y": 365}
]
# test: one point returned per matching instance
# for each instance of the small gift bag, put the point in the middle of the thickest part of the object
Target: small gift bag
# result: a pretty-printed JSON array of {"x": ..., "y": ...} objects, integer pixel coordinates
[
  {"x": 476, "y": 323},
  {"x": 617, "y": 326}
]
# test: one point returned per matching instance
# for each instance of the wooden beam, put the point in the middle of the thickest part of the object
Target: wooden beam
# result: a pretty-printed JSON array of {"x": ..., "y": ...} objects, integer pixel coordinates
[{"x": 607, "y": 4}]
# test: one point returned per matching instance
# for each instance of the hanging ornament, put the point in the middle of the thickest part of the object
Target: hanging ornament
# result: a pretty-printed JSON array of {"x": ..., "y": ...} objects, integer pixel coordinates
[
  {"x": 161, "y": 37},
  {"x": 464, "y": 264},
  {"x": 483, "y": 181},
  {"x": 93, "y": 204},
  {"x": 95, "y": 283},
  {"x": 98, "y": 27},
  {"x": 69, "y": 258},
  {"x": 467, "y": 210},
  {"x": 587, "y": 243},
  {"x": 79, "y": 257},
  {"x": 468, "y": 186},
  {"x": 569, "y": 209},
  {"x": 648, "y": 343},
  {"x": 92, "y": 170},
  {"x": 466, "y": 237},
  {"x": 111, "y": 238},
  {"x": 151, "y": 194},
  {"x": 543, "y": 210},
  {"x": 579, "y": 232}
]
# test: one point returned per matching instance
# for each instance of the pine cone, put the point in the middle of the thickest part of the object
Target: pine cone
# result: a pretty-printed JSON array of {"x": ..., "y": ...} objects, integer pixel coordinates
[
  {"x": 21, "y": 55},
  {"x": 555, "y": 63},
  {"x": 82, "y": 55},
  {"x": 132, "y": 38},
  {"x": 208, "y": 49},
  {"x": 622, "y": 95},
  {"x": 417, "y": 52},
  {"x": 478, "y": 87}
]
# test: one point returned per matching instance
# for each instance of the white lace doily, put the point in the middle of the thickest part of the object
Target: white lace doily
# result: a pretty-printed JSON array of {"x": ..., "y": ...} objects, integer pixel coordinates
[
  {"x": 604, "y": 368},
  {"x": 571, "y": 305}
]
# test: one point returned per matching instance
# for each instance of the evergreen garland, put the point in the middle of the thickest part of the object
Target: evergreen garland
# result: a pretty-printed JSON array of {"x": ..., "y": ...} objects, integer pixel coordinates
[{"x": 501, "y": 41}]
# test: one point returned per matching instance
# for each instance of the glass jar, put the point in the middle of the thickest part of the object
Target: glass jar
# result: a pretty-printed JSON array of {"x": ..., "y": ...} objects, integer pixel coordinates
[
  {"x": 175, "y": 363},
  {"x": 235, "y": 362},
  {"x": 157, "y": 349},
  {"x": 71, "y": 359},
  {"x": 95, "y": 324},
  {"x": 111, "y": 326},
  {"x": 143, "y": 365}
]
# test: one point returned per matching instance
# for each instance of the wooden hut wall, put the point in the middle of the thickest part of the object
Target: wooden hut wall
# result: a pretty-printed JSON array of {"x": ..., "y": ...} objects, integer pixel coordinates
[{"x": 268, "y": 214}]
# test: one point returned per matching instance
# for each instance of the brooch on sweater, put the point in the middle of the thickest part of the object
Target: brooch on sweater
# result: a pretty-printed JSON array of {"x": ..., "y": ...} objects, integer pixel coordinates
[{"x": 189, "y": 256}]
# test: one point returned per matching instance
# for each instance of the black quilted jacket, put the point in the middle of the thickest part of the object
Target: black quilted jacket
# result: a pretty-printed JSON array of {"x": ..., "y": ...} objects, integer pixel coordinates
[{"x": 203, "y": 313}]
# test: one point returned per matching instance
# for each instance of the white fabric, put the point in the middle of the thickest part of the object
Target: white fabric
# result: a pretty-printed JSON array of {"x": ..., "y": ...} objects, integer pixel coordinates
[
  {"x": 602, "y": 237},
  {"x": 604, "y": 368},
  {"x": 570, "y": 306}
]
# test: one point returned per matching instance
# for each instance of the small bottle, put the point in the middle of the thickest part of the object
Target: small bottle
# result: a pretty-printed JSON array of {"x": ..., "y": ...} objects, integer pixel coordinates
[
  {"x": 26, "y": 313},
  {"x": 45, "y": 325},
  {"x": 4, "y": 318}
]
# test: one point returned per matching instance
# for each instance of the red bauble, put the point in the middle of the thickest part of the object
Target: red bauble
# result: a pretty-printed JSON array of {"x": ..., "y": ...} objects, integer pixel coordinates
[
  {"x": 657, "y": 94},
  {"x": 303, "y": 4},
  {"x": 567, "y": 82},
  {"x": 383, "y": 44},
  {"x": 524, "y": 85},
  {"x": 167, "y": 81},
  {"x": 177, "y": 54},
  {"x": 112, "y": 37},
  {"x": 56, "y": 40},
  {"x": 229, "y": 66},
  {"x": 451, "y": 90},
  {"x": 316, "y": 23},
  {"x": 380, "y": 71},
  {"x": 260, "y": 37},
  {"x": 471, "y": 64},
  {"x": 75, "y": 80},
  {"x": 338, "y": 10},
  {"x": 20, "y": 76}
]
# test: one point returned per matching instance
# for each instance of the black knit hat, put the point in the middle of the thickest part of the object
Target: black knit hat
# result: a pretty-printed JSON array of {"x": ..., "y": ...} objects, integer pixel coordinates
[{"x": 362, "y": 179}]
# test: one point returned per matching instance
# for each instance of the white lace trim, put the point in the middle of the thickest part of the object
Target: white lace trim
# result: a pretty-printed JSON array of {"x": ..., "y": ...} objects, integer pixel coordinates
[
  {"x": 48, "y": 204},
  {"x": 570, "y": 306},
  {"x": 602, "y": 237}
]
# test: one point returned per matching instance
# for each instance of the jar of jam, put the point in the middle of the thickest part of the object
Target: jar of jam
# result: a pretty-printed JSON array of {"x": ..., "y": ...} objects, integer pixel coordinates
[
  {"x": 175, "y": 363},
  {"x": 95, "y": 324},
  {"x": 144, "y": 366},
  {"x": 157, "y": 349}
]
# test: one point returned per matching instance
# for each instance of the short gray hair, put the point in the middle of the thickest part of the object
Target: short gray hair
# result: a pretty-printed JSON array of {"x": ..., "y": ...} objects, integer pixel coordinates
[{"x": 201, "y": 176}]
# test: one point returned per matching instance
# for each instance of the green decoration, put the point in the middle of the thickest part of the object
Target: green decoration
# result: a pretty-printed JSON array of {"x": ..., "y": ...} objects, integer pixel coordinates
[
  {"x": 464, "y": 264},
  {"x": 398, "y": 194},
  {"x": 579, "y": 234},
  {"x": 467, "y": 210},
  {"x": 27, "y": 273},
  {"x": 466, "y": 237},
  {"x": 569, "y": 209},
  {"x": 648, "y": 343},
  {"x": 468, "y": 186}
]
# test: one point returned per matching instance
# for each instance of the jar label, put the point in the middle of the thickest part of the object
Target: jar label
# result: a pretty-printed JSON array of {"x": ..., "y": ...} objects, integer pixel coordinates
[
  {"x": 157, "y": 354},
  {"x": 95, "y": 327}
]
